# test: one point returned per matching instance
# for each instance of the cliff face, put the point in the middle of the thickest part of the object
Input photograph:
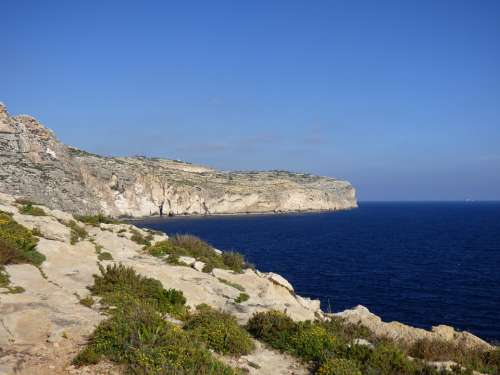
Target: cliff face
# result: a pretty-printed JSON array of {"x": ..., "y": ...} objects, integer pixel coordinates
[{"x": 34, "y": 164}]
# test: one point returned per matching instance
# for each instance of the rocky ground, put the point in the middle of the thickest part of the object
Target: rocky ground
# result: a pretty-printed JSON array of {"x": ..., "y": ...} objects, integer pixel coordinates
[
  {"x": 35, "y": 165},
  {"x": 44, "y": 327}
]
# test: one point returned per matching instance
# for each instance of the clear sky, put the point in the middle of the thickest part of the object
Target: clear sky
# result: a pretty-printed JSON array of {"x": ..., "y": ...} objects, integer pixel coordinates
[{"x": 402, "y": 98}]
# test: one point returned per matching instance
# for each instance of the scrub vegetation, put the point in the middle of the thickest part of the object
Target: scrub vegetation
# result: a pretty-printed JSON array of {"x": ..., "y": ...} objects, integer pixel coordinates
[
  {"x": 29, "y": 209},
  {"x": 17, "y": 246},
  {"x": 332, "y": 347},
  {"x": 192, "y": 246},
  {"x": 96, "y": 220},
  {"x": 138, "y": 336}
]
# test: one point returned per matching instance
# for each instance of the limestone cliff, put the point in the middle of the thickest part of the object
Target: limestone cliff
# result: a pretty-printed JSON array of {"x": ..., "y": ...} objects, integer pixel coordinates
[{"x": 34, "y": 164}]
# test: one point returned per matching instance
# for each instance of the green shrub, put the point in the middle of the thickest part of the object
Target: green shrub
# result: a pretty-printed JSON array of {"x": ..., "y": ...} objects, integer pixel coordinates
[
  {"x": 29, "y": 209},
  {"x": 4, "y": 278},
  {"x": 233, "y": 260},
  {"x": 174, "y": 261},
  {"x": 119, "y": 285},
  {"x": 242, "y": 298},
  {"x": 338, "y": 366},
  {"x": 272, "y": 327},
  {"x": 219, "y": 331},
  {"x": 96, "y": 220},
  {"x": 312, "y": 342},
  {"x": 104, "y": 256},
  {"x": 78, "y": 233},
  {"x": 162, "y": 248},
  {"x": 187, "y": 245},
  {"x": 346, "y": 331},
  {"x": 140, "y": 338},
  {"x": 139, "y": 238},
  {"x": 17, "y": 243}
]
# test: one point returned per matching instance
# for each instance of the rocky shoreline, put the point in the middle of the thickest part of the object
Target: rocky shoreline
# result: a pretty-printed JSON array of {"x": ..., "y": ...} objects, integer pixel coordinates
[{"x": 43, "y": 323}]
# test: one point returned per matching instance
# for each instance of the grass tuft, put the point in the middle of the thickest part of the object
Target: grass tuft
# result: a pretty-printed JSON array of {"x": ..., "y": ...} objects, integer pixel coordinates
[
  {"x": 29, "y": 209},
  {"x": 78, "y": 233},
  {"x": 242, "y": 298},
  {"x": 96, "y": 220}
]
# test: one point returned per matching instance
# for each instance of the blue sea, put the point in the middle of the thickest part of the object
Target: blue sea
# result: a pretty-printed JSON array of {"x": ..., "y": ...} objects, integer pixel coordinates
[{"x": 418, "y": 263}]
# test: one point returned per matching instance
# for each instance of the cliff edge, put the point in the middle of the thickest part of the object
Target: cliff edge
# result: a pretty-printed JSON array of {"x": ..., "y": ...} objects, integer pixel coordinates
[{"x": 35, "y": 165}]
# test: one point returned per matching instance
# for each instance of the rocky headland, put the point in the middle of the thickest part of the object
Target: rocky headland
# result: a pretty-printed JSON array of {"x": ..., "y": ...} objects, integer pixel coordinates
[{"x": 34, "y": 164}]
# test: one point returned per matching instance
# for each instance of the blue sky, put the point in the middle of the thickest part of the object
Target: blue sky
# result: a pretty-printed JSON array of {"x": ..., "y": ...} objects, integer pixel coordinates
[{"x": 402, "y": 98}]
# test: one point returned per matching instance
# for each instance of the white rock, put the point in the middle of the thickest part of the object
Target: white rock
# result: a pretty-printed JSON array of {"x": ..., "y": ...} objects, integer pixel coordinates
[
  {"x": 280, "y": 280},
  {"x": 187, "y": 260},
  {"x": 198, "y": 266},
  {"x": 312, "y": 304}
]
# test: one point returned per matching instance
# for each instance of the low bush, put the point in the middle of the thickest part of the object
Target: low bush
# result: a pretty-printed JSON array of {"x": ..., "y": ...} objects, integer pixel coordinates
[
  {"x": 140, "y": 338},
  {"x": 234, "y": 261},
  {"x": 338, "y": 366},
  {"x": 242, "y": 298},
  {"x": 17, "y": 243},
  {"x": 219, "y": 331},
  {"x": 36, "y": 232},
  {"x": 29, "y": 209},
  {"x": 104, "y": 256},
  {"x": 78, "y": 233},
  {"x": 272, "y": 327},
  {"x": 96, "y": 220},
  {"x": 188, "y": 245},
  {"x": 139, "y": 238},
  {"x": 119, "y": 285},
  {"x": 346, "y": 331},
  {"x": 311, "y": 342}
]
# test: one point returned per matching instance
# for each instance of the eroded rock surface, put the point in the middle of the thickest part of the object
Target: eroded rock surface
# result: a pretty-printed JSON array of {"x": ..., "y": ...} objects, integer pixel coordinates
[{"x": 34, "y": 164}]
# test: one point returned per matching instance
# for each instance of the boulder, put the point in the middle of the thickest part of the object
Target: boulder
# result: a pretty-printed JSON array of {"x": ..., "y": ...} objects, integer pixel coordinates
[
  {"x": 280, "y": 280},
  {"x": 198, "y": 266},
  {"x": 187, "y": 260}
]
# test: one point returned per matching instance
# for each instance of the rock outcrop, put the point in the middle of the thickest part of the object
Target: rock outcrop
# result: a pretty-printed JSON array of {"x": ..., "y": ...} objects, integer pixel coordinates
[
  {"x": 35, "y": 165},
  {"x": 398, "y": 331}
]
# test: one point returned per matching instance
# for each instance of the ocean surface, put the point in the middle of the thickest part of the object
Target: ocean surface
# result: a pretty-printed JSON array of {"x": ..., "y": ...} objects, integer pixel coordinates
[{"x": 418, "y": 263}]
